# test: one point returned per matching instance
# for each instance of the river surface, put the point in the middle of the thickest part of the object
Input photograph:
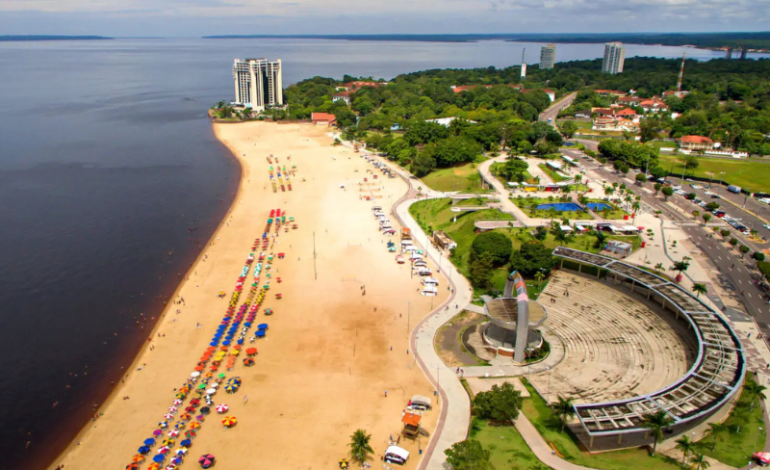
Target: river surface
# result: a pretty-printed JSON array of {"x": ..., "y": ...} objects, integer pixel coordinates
[{"x": 111, "y": 179}]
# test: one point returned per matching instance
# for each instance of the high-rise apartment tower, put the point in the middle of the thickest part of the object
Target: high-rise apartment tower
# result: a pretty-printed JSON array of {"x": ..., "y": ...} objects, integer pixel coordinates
[
  {"x": 614, "y": 56},
  {"x": 547, "y": 56},
  {"x": 258, "y": 83}
]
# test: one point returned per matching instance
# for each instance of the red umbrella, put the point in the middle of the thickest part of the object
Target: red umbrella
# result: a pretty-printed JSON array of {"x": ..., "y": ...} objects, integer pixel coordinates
[{"x": 251, "y": 351}]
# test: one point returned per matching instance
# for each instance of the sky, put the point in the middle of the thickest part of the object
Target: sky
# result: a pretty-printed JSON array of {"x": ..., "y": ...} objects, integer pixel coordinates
[{"x": 195, "y": 18}]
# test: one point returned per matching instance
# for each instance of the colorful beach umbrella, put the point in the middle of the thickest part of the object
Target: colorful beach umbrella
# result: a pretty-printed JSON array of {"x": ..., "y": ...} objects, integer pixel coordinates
[
  {"x": 185, "y": 416},
  {"x": 163, "y": 424},
  {"x": 229, "y": 421},
  {"x": 185, "y": 444},
  {"x": 189, "y": 434},
  {"x": 164, "y": 450},
  {"x": 194, "y": 425},
  {"x": 206, "y": 460},
  {"x": 157, "y": 432},
  {"x": 137, "y": 458},
  {"x": 153, "y": 466},
  {"x": 168, "y": 416},
  {"x": 159, "y": 458},
  {"x": 172, "y": 409},
  {"x": 132, "y": 466},
  {"x": 173, "y": 433},
  {"x": 222, "y": 408},
  {"x": 182, "y": 450}
]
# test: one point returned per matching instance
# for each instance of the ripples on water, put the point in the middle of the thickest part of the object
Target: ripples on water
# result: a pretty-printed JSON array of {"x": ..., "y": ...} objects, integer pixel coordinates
[{"x": 106, "y": 161}]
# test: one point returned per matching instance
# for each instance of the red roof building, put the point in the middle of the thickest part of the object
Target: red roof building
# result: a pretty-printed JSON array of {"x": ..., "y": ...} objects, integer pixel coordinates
[
  {"x": 359, "y": 84},
  {"x": 626, "y": 112},
  {"x": 695, "y": 142},
  {"x": 323, "y": 119},
  {"x": 343, "y": 95},
  {"x": 610, "y": 93}
]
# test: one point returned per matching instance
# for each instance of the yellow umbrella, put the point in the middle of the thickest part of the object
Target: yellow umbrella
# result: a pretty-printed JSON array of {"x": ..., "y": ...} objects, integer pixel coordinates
[
  {"x": 229, "y": 421},
  {"x": 137, "y": 458},
  {"x": 234, "y": 352}
]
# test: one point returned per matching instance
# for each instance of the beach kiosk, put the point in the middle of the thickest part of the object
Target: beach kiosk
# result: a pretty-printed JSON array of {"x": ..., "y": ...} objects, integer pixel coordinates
[
  {"x": 395, "y": 454},
  {"x": 419, "y": 402},
  {"x": 411, "y": 424}
]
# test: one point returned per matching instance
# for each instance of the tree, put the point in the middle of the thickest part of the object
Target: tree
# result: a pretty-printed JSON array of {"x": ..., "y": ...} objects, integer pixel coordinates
[
  {"x": 754, "y": 391},
  {"x": 744, "y": 249},
  {"x": 564, "y": 409},
  {"x": 540, "y": 233},
  {"x": 360, "y": 449},
  {"x": 568, "y": 129},
  {"x": 758, "y": 255},
  {"x": 712, "y": 206},
  {"x": 468, "y": 455},
  {"x": 690, "y": 162},
  {"x": 716, "y": 430},
  {"x": 561, "y": 236},
  {"x": 539, "y": 276},
  {"x": 656, "y": 423},
  {"x": 601, "y": 237},
  {"x": 422, "y": 164},
  {"x": 699, "y": 289},
  {"x": 647, "y": 131},
  {"x": 246, "y": 113},
  {"x": 724, "y": 232},
  {"x": 706, "y": 218},
  {"x": 733, "y": 241},
  {"x": 500, "y": 404},
  {"x": 514, "y": 169},
  {"x": 495, "y": 243},
  {"x": 641, "y": 178},
  {"x": 667, "y": 191},
  {"x": 657, "y": 187},
  {"x": 532, "y": 257},
  {"x": 686, "y": 446},
  {"x": 700, "y": 462},
  {"x": 659, "y": 267},
  {"x": 480, "y": 270},
  {"x": 680, "y": 267}
]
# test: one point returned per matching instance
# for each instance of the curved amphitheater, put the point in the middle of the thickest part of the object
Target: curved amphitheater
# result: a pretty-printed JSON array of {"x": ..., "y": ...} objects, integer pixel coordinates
[
  {"x": 635, "y": 344},
  {"x": 615, "y": 346}
]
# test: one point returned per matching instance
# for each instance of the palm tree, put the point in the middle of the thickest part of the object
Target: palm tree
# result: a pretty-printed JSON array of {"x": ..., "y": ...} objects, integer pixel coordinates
[
  {"x": 754, "y": 391},
  {"x": 539, "y": 276},
  {"x": 359, "y": 446},
  {"x": 564, "y": 409},
  {"x": 660, "y": 267},
  {"x": 635, "y": 207},
  {"x": 686, "y": 446},
  {"x": 740, "y": 415},
  {"x": 681, "y": 267},
  {"x": 716, "y": 430},
  {"x": 561, "y": 236},
  {"x": 699, "y": 289},
  {"x": 656, "y": 423},
  {"x": 700, "y": 462}
]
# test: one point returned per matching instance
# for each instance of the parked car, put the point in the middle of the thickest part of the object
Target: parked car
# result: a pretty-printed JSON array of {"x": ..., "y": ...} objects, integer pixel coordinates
[{"x": 719, "y": 213}]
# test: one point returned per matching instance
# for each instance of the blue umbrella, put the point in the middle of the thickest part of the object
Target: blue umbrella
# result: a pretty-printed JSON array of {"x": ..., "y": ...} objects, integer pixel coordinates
[
  {"x": 248, "y": 323},
  {"x": 150, "y": 441},
  {"x": 226, "y": 343},
  {"x": 186, "y": 443},
  {"x": 240, "y": 341},
  {"x": 144, "y": 450},
  {"x": 262, "y": 326},
  {"x": 159, "y": 458},
  {"x": 176, "y": 460},
  {"x": 260, "y": 334},
  {"x": 213, "y": 343}
]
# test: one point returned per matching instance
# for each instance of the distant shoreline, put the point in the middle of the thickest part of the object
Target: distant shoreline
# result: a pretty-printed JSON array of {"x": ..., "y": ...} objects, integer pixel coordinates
[
  {"x": 35, "y": 37},
  {"x": 753, "y": 41}
]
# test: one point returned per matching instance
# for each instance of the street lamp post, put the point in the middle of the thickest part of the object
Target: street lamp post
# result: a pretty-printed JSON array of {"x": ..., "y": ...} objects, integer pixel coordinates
[{"x": 720, "y": 180}]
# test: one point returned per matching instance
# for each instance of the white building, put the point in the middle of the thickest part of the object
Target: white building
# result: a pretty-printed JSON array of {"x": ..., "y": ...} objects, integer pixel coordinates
[
  {"x": 547, "y": 56},
  {"x": 614, "y": 57},
  {"x": 258, "y": 83}
]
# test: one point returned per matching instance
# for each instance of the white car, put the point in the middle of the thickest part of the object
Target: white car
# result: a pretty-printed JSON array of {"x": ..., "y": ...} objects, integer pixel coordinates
[
  {"x": 767, "y": 226},
  {"x": 709, "y": 193},
  {"x": 696, "y": 186}
]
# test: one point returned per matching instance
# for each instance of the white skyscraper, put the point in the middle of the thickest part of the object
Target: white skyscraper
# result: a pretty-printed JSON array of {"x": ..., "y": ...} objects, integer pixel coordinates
[
  {"x": 547, "y": 56},
  {"x": 614, "y": 56},
  {"x": 258, "y": 82}
]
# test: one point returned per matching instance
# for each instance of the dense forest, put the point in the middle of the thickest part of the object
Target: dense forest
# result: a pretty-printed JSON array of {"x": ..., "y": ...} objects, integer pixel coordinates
[{"x": 728, "y": 101}]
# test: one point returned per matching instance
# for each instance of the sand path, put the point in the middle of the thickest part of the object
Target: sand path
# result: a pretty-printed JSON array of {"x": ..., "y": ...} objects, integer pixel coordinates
[{"x": 322, "y": 371}]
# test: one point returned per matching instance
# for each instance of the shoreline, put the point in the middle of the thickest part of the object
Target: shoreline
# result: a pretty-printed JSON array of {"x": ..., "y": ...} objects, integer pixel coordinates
[
  {"x": 345, "y": 259},
  {"x": 144, "y": 349}
]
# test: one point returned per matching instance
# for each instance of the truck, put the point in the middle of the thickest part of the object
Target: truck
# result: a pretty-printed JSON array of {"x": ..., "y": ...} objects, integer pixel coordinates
[
  {"x": 734, "y": 189},
  {"x": 406, "y": 234}
]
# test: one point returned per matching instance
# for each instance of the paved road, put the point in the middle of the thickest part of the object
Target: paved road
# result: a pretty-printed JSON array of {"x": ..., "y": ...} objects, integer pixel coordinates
[
  {"x": 555, "y": 108},
  {"x": 732, "y": 270}
]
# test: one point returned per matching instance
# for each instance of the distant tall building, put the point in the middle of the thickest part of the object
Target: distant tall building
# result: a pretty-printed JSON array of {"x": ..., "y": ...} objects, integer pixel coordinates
[
  {"x": 744, "y": 49},
  {"x": 523, "y": 65},
  {"x": 614, "y": 57},
  {"x": 258, "y": 82},
  {"x": 547, "y": 56}
]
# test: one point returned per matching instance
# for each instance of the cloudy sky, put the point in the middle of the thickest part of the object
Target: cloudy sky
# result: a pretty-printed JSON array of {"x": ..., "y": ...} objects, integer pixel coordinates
[{"x": 193, "y": 18}]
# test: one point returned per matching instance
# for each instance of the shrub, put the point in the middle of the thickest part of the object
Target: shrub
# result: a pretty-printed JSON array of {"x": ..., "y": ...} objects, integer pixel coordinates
[
  {"x": 496, "y": 244},
  {"x": 759, "y": 256},
  {"x": 533, "y": 257},
  {"x": 724, "y": 232},
  {"x": 733, "y": 241}
]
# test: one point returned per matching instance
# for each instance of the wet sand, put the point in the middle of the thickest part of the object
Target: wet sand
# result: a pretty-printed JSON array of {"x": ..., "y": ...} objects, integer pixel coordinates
[{"x": 324, "y": 367}]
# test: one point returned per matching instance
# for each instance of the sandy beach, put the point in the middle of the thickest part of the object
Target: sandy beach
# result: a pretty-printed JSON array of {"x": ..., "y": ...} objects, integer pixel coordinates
[{"x": 331, "y": 352}]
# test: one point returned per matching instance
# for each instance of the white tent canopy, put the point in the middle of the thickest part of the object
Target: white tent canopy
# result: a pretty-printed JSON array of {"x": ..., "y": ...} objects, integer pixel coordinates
[{"x": 397, "y": 451}]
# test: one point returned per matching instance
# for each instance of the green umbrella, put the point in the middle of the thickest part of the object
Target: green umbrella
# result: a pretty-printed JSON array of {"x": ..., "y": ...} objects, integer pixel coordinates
[
  {"x": 221, "y": 376},
  {"x": 202, "y": 386}
]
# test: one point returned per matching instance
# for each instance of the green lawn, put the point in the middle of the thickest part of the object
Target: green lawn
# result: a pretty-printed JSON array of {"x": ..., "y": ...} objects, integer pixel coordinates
[
  {"x": 659, "y": 144},
  {"x": 578, "y": 124},
  {"x": 506, "y": 446},
  {"x": 497, "y": 167},
  {"x": 548, "y": 424},
  {"x": 555, "y": 177},
  {"x": 464, "y": 178},
  {"x": 736, "y": 448},
  {"x": 435, "y": 214},
  {"x": 748, "y": 174}
]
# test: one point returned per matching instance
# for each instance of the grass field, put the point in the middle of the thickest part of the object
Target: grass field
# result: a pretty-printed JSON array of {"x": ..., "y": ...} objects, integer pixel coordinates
[
  {"x": 549, "y": 426},
  {"x": 750, "y": 175},
  {"x": 578, "y": 124},
  {"x": 435, "y": 214},
  {"x": 555, "y": 177},
  {"x": 464, "y": 178},
  {"x": 737, "y": 447},
  {"x": 506, "y": 446},
  {"x": 614, "y": 214}
]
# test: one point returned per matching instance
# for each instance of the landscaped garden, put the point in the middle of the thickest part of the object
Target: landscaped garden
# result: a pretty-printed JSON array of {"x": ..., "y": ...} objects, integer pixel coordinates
[
  {"x": 551, "y": 208},
  {"x": 436, "y": 214}
]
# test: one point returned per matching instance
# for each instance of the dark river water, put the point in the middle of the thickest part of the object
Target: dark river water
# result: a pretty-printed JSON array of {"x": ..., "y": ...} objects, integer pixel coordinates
[{"x": 110, "y": 177}]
